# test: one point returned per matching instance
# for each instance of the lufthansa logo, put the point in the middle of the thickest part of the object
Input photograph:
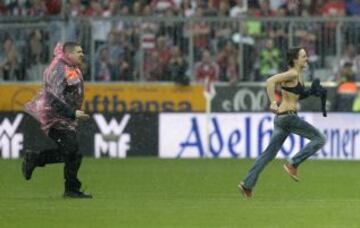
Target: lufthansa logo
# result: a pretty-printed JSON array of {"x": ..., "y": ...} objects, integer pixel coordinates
[{"x": 20, "y": 97}]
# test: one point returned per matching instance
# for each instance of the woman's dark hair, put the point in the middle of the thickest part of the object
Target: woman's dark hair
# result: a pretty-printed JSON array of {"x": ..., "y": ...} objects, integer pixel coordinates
[{"x": 292, "y": 54}]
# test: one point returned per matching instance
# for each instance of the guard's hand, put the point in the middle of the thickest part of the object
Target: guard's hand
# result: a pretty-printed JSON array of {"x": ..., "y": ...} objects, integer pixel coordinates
[
  {"x": 81, "y": 115},
  {"x": 274, "y": 107}
]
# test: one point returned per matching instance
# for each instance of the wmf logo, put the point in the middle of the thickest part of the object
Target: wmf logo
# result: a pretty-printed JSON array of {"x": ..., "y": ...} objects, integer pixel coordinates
[
  {"x": 11, "y": 143},
  {"x": 112, "y": 140}
]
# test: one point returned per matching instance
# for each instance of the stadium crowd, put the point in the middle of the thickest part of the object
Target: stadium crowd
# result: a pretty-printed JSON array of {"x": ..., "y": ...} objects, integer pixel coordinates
[
  {"x": 174, "y": 50},
  {"x": 232, "y": 8}
]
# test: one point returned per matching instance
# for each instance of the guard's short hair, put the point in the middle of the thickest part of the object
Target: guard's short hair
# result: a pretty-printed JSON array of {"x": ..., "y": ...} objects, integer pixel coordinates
[{"x": 70, "y": 46}]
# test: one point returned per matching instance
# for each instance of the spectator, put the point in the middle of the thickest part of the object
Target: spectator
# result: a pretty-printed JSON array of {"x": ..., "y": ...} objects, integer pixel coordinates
[
  {"x": 352, "y": 29},
  {"x": 350, "y": 56},
  {"x": 346, "y": 90},
  {"x": 53, "y": 7},
  {"x": 160, "y": 6},
  {"x": 100, "y": 28},
  {"x": 3, "y": 8},
  {"x": 276, "y": 4},
  {"x": 201, "y": 34},
  {"x": 113, "y": 9},
  {"x": 120, "y": 55},
  {"x": 223, "y": 9},
  {"x": 353, "y": 7},
  {"x": 316, "y": 7},
  {"x": 249, "y": 52},
  {"x": 232, "y": 71},
  {"x": 171, "y": 28},
  {"x": 356, "y": 104},
  {"x": 228, "y": 66},
  {"x": 126, "y": 68},
  {"x": 147, "y": 11},
  {"x": 16, "y": 8},
  {"x": 264, "y": 9},
  {"x": 334, "y": 8},
  {"x": 291, "y": 7},
  {"x": 188, "y": 8},
  {"x": 115, "y": 49},
  {"x": 124, "y": 11},
  {"x": 163, "y": 48},
  {"x": 211, "y": 9},
  {"x": 9, "y": 61},
  {"x": 223, "y": 32},
  {"x": 222, "y": 29},
  {"x": 37, "y": 52},
  {"x": 38, "y": 8},
  {"x": 346, "y": 73},
  {"x": 103, "y": 67},
  {"x": 307, "y": 39},
  {"x": 126, "y": 64},
  {"x": 153, "y": 68},
  {"x": 136, "y": 8},
  {"x": 206, "y": 68},
  {"x": 269, "y": 60},
  {"x": 305, "y": 8},
  {"x": 253, "y": 26},
  {"x": 215, "y": 3},
  {"x": 149, "y": 26},
  {"x": 36, "y": 55},
  {"x": 178, "y": 67},
  {"x": 240, "y": 9},
  {"x": 127, "y": 3},
  {"x": 74, "y": 8},
  {"x": 95, "y": 9}
]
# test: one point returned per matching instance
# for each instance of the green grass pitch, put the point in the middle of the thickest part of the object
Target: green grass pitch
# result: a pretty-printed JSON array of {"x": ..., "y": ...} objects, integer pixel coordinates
[{"x": 152, "y": 192}]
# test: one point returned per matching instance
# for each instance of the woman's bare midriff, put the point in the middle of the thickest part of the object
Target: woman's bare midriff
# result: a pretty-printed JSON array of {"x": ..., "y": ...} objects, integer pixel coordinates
[{"x": 289, "y": 102}]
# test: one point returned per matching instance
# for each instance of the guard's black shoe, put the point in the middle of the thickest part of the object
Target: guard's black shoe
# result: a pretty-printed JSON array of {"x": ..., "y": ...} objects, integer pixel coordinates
[
  {"x": 28, "y": 164},
  {"x": 77, "y": 195}
]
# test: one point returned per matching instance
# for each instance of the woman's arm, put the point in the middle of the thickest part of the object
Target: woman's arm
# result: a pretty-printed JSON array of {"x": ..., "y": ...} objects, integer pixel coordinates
[{"x": 276, "y": 79}]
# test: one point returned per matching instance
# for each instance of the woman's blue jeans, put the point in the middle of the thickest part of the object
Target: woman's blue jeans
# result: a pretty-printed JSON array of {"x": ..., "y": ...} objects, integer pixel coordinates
[{"x": 283, "y": 126}]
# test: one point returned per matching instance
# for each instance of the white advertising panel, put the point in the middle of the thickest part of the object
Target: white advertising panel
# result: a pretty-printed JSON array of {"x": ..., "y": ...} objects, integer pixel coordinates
[
  {"x": 11, "y": 140},
  {"x": 246, "y": 135}
]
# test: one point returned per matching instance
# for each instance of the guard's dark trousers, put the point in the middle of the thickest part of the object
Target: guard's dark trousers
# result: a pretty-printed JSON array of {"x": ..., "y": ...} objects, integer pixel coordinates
[{"x": 67, "y": 151}]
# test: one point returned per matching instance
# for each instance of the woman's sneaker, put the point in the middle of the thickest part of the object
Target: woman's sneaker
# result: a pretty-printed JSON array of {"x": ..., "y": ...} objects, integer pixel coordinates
[
  {"x": 292, "y": 171},
  {"x": 244, "y": 191}
]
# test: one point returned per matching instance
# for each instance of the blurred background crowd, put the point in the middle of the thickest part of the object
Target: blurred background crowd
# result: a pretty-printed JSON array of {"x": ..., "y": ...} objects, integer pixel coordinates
[
  {"x": 182, "y": 41},
  {"x": 185, "y": 8}
]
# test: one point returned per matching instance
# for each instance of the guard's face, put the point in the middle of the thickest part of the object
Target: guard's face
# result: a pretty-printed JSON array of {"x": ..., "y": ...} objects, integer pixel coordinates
[{"x": 77, "y": 55}]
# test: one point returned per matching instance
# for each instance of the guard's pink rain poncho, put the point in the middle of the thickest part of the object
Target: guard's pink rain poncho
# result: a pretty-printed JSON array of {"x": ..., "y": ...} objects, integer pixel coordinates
[{"x": 63, "y": 84}]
